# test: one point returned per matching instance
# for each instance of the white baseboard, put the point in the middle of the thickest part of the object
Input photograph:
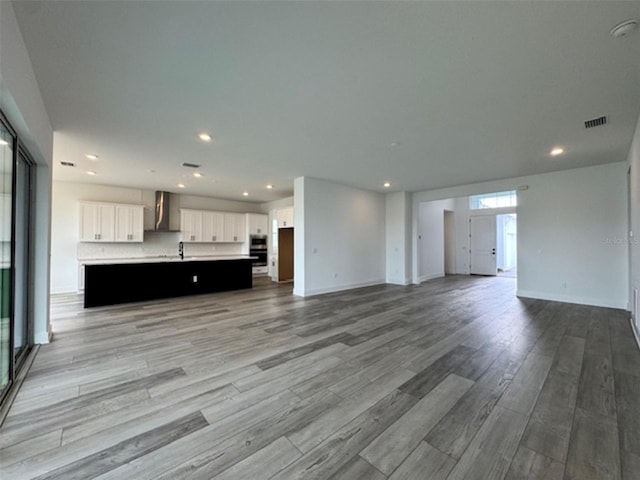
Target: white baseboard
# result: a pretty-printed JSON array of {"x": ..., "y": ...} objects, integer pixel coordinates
[
  {"x": 63, "y": 290},
  {"x": 398, "y": 281},
  {"x": 635, "y": 331},
  {"x": 43, "y": 337},
  {"x": 335, "y": 288},
  {"x": 554, "y": 297},
  {"x": 424, "y": 278}
]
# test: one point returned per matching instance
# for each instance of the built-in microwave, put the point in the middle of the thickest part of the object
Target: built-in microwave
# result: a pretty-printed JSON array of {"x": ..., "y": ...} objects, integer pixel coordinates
[{"x": 257, "y": 242}]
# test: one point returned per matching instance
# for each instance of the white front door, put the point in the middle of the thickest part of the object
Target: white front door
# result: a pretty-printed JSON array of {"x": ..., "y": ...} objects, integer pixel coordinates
[{"x": 482, "y": 233}]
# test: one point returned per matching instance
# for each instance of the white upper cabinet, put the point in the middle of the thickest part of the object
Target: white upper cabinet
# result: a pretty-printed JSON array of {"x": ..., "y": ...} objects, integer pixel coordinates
[
  {"x": 129, "y": 223},
  {"x": 212, "y": 227},
  {"x": 191, "y": 225},
  {"x": 97, "y": 222},
  {"x": 234, "y": 227},
  {"x": 285, "y": 217},
  {"x": 199, "y": 226},
  {"x": 258, "y": 224}
]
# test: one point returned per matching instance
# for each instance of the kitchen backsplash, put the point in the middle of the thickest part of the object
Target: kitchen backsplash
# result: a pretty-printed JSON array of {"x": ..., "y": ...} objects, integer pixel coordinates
[{"x": 156, "y": 245}]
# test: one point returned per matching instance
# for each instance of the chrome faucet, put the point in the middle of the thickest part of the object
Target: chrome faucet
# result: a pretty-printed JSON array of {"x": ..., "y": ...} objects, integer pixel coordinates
[{"x": 181, "y": 250}]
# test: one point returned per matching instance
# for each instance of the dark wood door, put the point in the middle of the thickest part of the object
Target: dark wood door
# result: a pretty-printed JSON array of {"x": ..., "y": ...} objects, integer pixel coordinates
[{"x": 285, "y": 254}]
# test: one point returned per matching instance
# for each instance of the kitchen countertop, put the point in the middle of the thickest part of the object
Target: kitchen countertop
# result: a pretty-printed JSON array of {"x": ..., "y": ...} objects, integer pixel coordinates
[{"x": 171, "y": 258}]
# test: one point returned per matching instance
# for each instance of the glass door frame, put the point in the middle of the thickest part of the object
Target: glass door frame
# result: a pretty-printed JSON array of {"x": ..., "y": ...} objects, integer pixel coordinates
[
  {"x": 18, "y": 149},
  {"x": 11, "y": 374},
  {"x": 21, "y": 151}
]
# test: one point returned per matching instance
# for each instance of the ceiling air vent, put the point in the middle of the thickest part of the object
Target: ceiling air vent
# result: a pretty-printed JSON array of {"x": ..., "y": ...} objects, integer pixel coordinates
[
  {"x": 190, "y": 165},
  {"x": 595, "y": 122},
  {"x": 67, "y": 164}
]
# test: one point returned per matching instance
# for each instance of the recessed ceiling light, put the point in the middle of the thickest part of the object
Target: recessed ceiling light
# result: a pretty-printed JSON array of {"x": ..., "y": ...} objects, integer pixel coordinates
[
  {"x": 91, "y": 156},
  {"x": 269, "y": 187},
  {"x": 204, "y": 136},
  {"x": 180, "y": 185},
  {"x": 91, "y": 172},
  {"x": 386, "y": 184},
  {"x": 197, "y": 174},
  {"x": 556, "y": 151},
  {"x": 624, "y": 28},
  {"x": 151, "y": 170},
  {"x": 3, "y": 142},
  {"x": 245, "y": 194}
]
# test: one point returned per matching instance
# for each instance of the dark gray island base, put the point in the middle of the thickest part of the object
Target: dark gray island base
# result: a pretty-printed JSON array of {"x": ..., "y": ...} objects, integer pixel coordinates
[{"x": 110, "y": 284}]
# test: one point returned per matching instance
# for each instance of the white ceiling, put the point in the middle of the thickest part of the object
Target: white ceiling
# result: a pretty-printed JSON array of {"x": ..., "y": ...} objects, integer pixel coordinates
[{"x": 471, "y": 91}]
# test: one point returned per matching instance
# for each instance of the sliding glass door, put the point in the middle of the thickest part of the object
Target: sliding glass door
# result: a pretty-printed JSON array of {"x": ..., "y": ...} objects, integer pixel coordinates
[
  {"x": 16, "y": 205},
  {"x": 22, "y": 248},
  {"x": 7, "y": 145}
]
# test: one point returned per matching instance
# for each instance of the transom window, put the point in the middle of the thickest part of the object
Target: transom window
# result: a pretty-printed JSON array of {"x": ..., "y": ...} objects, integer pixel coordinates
[{"x": 493, "y": 200}]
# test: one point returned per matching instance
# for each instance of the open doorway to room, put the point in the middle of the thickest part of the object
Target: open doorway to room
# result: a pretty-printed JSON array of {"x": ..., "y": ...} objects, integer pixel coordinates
[
  {"x": 507, "y": 244},
  {"x": 475, "y": 235}
]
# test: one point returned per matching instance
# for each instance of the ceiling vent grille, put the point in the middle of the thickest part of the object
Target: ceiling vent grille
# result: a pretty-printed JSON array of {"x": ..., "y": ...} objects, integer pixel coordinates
[
  {"x": 190, "y": 165},
  {"x": 595, "y": 122},
  {"x": 67, "y": 164}
]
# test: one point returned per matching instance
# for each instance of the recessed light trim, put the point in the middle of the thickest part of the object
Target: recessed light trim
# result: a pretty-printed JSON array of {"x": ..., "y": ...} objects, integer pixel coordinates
[
  {"x": 245, "y": 194},
  {"x": 204, "y": 136},
  {"x": 624, "y": 28},
  {"x": 91, "y": 172},
  {"x": 269, "y": 187},
  {"x": 386, "y": 184},
  {"x": 555, "y": 151},
  {"x": 180, "y": 185},
  {"x": 197, "y": 174},
  {"x": 92, "y": 156}
]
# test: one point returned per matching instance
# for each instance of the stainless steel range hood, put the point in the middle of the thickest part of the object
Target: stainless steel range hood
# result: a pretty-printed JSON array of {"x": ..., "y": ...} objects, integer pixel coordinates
[{"x": 162, "y": 220}]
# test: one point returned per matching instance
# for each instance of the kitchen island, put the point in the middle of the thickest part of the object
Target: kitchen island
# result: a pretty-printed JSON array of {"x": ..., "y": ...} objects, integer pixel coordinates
[{"x": 110, "y": 282}]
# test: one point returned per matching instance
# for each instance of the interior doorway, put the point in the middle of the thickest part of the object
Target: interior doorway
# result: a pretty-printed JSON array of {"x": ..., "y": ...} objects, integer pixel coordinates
[
  {"x": 449, "y": 243},
  {"x": 507, "y": 244},
  {"x": 285, "y": 255}
]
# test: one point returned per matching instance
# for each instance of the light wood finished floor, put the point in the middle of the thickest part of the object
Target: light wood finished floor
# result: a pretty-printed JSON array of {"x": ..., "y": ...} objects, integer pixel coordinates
[{"x": 453, "y": 379}]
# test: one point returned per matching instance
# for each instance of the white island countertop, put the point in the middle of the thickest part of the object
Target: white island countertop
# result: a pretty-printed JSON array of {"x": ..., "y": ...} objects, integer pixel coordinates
[{"x": 162, "y": 259}]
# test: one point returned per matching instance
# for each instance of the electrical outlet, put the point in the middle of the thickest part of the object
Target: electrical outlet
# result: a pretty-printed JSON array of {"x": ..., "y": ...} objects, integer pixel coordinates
[
  {"x": 335, "y": 275},
  {"x": 195, "y": 279}
]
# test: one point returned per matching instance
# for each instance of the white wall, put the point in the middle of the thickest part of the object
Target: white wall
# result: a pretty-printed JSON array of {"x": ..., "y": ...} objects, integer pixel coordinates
[
  {"x": 634, "y": 228},
  {"x": 21, "y": 101},
  {"x": 66, "y": 249},
  {"x": 398, "y": 238},
  {"x": 431, "y": 238},
  {"x": 571, "y": 233},
  {"x": 339, "y": 237}
]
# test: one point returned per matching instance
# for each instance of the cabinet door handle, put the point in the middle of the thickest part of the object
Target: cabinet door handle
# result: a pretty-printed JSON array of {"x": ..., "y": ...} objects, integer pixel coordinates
[
  {"x": 213, "y": 238},
  {"x": 235, "y": 239},
  {"x": 193, "y": 237},
  {"x": 284, "y": 224},
  {"x": 259, "y": 230}
]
